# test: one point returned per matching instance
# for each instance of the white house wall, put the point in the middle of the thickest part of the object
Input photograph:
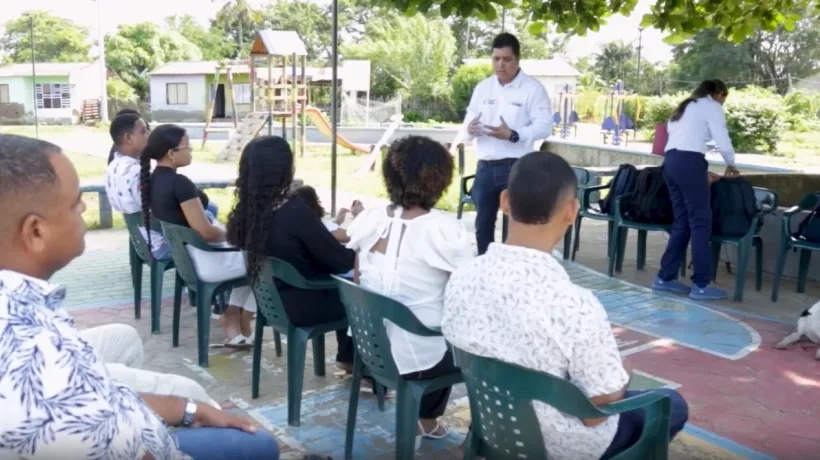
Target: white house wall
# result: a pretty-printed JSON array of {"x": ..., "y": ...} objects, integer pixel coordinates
[
  {"x": 85, "y": 84},
  {"x": 193, "y": 111},
  {"x": 19, "y": 102}
]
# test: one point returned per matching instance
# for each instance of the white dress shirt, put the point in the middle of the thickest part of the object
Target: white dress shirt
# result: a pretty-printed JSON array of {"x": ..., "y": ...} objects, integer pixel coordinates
[
  {"x": 58, "y": 400},
  {"x": 703, "y": 120},
  {"x": 525, "y": 107},
  {"x": 421, "y": 253},
  {"x": 519, "y": 306},
  {"x": 122, "y": 184}
]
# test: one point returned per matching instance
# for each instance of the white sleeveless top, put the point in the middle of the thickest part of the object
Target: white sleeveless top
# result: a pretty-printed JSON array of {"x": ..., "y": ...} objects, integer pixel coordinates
[{"x": 420, "y": 256}]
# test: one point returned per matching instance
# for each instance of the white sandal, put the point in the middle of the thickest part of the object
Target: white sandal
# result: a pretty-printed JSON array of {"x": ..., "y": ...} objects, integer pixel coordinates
[
  {"x": 432, "y": 433},
  {"x": 239, "y": 342}
]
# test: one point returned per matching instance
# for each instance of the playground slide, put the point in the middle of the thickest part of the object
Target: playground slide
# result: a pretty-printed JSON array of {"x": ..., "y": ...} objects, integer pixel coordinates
[{"x": 324, "y": 127}]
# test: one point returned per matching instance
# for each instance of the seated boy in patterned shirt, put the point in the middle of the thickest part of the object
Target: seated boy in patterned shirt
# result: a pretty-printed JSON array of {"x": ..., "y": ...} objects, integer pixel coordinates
[{"x": 517, "y": 304}]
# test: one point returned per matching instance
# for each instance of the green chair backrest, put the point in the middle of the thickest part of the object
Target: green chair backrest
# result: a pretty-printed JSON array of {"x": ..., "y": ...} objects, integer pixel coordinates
[
  {"x": 178, "y": 237},
  {"x": 765, "y": 199},
  {"x": 366, "y": 312},
  {"x": 503, "y": 417},
  {"x": 267, "y": 296},
  {"x": 583, "y": 176},
  {"x": 133, "y": 222}
]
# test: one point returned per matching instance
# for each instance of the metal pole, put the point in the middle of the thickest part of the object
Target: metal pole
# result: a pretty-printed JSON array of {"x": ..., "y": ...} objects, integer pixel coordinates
[
  {"x": 34, "y": 77},
  {"x": 503, "y": 19},
  {"x": 638, "y": 76},
  {"x": 334, "y": 96},
  {"x": 103, "y": 70}
]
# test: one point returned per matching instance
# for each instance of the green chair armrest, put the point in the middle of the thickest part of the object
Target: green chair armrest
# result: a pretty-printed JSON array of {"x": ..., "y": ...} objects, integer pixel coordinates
[
  {"x": 586, "y": 193},
  {"x": 465, "y": 189},
  {"x": 288, "y": 274},
  {"x": 635, "y": 402},
  {"x": 792, "y": 211}
]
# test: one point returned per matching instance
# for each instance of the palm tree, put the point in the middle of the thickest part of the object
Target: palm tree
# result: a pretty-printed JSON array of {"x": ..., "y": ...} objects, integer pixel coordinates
[{"x": 240, "y": 12}]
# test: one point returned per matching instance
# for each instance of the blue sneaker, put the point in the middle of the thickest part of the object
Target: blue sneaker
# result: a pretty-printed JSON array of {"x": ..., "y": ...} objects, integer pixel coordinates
[
  {"x": 707, "y": 293},
  {"x": 670, "y": 286}
]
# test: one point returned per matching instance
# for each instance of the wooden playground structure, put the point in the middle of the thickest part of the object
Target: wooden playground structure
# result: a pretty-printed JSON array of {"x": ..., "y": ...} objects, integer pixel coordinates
[{"x": 278, "y": 91}]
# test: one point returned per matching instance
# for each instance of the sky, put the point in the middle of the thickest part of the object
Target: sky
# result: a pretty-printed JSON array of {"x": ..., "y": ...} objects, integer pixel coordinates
[{"x": 116, "y": 12}]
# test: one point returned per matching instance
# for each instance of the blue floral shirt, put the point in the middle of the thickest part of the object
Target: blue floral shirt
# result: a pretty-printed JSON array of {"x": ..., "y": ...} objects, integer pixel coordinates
[{"x": 56, "y": 397}]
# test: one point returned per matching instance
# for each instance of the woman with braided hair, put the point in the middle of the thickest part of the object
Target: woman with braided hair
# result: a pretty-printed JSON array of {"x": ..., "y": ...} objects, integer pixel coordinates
[
  {"x": 173, "y": 198},
  {"x": 267, "y": 222}
]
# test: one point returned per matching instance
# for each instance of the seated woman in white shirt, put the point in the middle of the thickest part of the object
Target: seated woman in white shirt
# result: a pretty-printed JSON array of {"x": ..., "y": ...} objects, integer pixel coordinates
[
  {"x": 407, "y": 251},
  {"x": 173, "y": 198}
]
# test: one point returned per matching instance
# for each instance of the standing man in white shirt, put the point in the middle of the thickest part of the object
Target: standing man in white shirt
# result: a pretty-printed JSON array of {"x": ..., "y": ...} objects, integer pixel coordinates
[
  {"x": 508, "y": 112},
  {"x": 696, "y": 121}
]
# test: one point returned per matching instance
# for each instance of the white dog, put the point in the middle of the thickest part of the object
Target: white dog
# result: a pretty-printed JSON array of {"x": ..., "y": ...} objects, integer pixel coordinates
[{"x": 807, "y": 326}]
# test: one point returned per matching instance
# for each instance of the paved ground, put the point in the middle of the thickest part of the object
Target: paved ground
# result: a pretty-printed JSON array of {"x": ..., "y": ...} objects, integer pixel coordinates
[{"x": 747, "y": 399}]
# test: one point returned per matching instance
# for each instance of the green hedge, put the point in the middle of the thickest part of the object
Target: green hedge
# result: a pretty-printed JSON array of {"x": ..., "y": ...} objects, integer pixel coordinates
[{"x": 756, "y": 117}]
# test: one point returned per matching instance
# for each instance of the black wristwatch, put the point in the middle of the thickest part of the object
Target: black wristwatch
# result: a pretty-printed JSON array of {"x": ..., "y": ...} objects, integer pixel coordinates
[{"x": 514, "y": 136}]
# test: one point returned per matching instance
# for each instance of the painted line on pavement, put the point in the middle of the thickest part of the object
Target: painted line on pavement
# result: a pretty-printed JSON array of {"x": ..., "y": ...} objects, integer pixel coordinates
[{"x": 725, "y": 443}]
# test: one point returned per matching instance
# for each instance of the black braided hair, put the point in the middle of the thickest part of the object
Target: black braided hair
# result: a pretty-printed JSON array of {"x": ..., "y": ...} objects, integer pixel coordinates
[
  {"x": 265, "y": 176},
  {"x": 162, "y": 140},
  {"x": 706, "y": 88}
]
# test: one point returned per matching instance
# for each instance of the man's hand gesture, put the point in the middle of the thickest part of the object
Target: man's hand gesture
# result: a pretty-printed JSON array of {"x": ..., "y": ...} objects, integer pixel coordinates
[
  {"x": 474, "y": 128},
  {"x": 501, "y": 131}
]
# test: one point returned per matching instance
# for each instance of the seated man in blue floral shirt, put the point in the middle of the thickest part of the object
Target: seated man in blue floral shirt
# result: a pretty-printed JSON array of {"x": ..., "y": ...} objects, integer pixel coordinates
[{"x": 56, "y": 397}]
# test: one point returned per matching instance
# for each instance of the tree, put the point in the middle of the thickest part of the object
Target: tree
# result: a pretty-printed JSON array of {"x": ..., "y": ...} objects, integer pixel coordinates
[
  {"x": 765, "y": 59},
  {"x": 613, "y": 62},
  {"x": 213, "y": 44},
  {"x": 239, "y": 19},
  {"x": 736, "y": 19},
  {"x": 412, "y": 55},
  {"x": 310, "y": 20},
  {"x": 137, "y": 49},
  {"x": 55, "y": 39}
]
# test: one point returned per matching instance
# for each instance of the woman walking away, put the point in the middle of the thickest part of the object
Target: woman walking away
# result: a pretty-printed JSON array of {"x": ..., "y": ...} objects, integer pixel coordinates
[{"x": 696, "y": 121}]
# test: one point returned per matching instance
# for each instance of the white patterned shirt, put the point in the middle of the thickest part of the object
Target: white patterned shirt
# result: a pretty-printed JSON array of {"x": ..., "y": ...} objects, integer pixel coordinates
[
  {"x": 56, "y": 397},
  {"x": 122, "y": 184},
  {"x": 518, "y": 305}
]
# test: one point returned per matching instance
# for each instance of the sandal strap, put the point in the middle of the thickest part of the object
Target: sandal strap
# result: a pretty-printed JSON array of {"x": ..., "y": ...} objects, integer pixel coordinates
[{"x": 432, "y": 433}]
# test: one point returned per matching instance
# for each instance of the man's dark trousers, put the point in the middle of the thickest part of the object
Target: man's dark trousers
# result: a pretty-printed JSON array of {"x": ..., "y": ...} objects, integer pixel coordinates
[{"x": 491, "y": 178}]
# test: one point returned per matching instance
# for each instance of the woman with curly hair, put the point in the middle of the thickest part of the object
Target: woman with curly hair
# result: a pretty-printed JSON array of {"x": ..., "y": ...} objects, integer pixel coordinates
[
  {"x": 173, "y": 198},
  {"x": 266, "y": 222},
  {"x": 407, "y": 251}
]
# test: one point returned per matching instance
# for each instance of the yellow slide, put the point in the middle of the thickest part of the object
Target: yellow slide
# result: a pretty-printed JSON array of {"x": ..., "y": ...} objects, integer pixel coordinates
[{"x": 321, "y": 123}]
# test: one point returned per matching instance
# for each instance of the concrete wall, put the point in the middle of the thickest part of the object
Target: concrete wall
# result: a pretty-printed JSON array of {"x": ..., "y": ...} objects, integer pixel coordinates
[
  {"x": 193, "y": 111},
  {"x": 85, "y": 84}
]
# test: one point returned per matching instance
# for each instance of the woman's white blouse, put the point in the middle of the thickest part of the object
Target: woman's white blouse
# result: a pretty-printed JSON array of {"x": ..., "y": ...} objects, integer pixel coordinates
[
  {"x": 703, "y": 120},
  {"x": 414, "y": 270}
]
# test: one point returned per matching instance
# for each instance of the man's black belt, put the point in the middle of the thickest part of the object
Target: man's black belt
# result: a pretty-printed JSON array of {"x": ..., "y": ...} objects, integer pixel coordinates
[{"x": 504, "y": 161}]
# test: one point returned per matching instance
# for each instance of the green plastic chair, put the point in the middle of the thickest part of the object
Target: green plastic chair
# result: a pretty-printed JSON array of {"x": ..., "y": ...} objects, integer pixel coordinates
[
  {"x": 504, "y": 424},
  {"x": 138, "y": 254},
  {"x": 466, "y": 193},
  {"x": 766, "y": 202},
  {"x": 586, "y": 210},
  {"x": 620, "y": 229},
  {"x": 178, "y": 237},
  {"x": 788, "y": 241},
  {"x": 273, "y": 314},
  {"x": 584, "y": 177},
  {"x": 366, "y": 312}
]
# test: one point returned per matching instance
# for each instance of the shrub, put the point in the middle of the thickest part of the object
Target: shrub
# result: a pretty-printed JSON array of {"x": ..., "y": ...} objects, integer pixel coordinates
[
  {"x": 586, "y": 105},
  {"x": 464, "y": 82},
  {"x": 756, "y": 117}
]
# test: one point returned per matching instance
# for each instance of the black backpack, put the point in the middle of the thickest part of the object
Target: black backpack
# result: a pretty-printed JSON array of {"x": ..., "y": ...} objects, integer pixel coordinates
[
  {"x": 809, "y": 228},
  {"x": 651, "y": 203},
  {"x": 733, "y": 207},
  {"x": 624, "y": 182}
]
